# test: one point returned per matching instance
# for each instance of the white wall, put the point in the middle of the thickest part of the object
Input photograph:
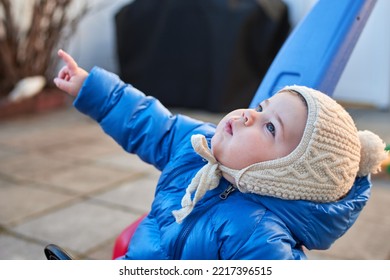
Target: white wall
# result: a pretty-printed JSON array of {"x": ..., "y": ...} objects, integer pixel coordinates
[
  {"x": 298, "y": 9},
  {"x": 94, "y": 41},
  {"x": 366, "y": 78}
]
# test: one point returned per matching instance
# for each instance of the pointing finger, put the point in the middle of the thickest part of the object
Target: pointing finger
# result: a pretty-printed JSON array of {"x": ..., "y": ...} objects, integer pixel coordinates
[{"x": 70, "y": 62}]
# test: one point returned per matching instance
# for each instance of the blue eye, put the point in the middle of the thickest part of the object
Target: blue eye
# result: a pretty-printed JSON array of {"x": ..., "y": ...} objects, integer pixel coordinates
[
  {"x": 259, "y": 108},
  {"x": 271, "y": 128}
]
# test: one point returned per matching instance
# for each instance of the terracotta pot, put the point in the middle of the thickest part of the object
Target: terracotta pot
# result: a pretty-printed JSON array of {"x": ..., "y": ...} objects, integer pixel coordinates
[{"x": 48, "y": 99}]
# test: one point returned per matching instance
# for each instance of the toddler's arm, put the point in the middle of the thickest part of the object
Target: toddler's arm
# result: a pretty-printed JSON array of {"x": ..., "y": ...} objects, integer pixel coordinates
[{"x": 71, "y": 77}]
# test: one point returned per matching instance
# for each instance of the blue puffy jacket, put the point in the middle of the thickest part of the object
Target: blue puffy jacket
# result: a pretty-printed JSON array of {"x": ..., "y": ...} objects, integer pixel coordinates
[{"x": 231, "y": 226}]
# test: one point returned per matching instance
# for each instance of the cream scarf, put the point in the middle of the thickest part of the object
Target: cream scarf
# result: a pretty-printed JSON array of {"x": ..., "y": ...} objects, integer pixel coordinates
[{"x": 206, "y": 179}]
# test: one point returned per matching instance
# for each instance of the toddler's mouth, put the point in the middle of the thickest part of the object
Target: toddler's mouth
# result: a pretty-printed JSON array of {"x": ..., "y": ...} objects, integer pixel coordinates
[{"x": 229, "y": 127}]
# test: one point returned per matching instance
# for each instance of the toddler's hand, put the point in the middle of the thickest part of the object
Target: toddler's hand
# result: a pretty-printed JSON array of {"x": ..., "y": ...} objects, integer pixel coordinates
[{"x": 71, "y": 77}]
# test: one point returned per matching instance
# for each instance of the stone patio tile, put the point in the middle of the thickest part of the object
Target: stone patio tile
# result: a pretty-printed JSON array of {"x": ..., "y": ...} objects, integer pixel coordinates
[
  {"x": 135, "y": 195},
  {"x": 85, "y": 149},
  {"x": 79, "y": 133},
  {"x": 378, "y": 204},
  {"x": 20, "y": 202},
  {"x": 84, "y": 179},
  {"x": 42, "y": 121},
  {"x": 77, "y": 228},
  {"x": 30, "y": 165},
  {"x": 103, "y": 252},
  {"x": 6, "y": 152},
  {"x": 13, "y": 248},
  {"x": 37, "y": 136},
  {"x": 34, "y": 140}
]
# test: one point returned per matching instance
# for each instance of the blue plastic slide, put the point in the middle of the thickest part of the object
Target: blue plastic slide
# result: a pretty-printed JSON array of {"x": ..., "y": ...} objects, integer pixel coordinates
[{"x": 318, "y": 48}]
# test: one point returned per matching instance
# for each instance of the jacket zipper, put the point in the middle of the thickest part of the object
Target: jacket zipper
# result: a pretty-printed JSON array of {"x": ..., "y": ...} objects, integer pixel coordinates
[
  {"x": 227, "y": 192},
  {"x": 192, "y": 219}
]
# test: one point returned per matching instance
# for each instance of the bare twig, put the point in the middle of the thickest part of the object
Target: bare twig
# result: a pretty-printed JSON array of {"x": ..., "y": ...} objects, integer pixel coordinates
[
  {"x": 30, "y": 53},
  {"x": 7, "y": 48}
]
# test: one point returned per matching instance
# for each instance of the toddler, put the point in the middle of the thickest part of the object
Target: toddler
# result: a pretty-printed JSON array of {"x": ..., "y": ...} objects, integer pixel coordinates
[{"x": 263, "y": 184}]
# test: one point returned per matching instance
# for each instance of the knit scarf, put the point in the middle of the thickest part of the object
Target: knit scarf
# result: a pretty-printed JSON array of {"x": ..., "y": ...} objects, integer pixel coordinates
[{"x": 206, "y": 179}]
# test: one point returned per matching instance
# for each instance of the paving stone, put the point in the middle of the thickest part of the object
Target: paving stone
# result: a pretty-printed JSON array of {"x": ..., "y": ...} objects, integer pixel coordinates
[
  {"x": 43, "y": 121},
  {"x": 377, "y": 205},
  {"x": 79, "y": 227},
  {"x": 6, "y": 152},
  {"x": 85, "y": 179},
  {"x": 13, "y": 248},
  {"x": 85, "y": 149},
  {"x": 37, "y": 133},
  {"x": 30, "y": 165},
  {"x": 20, "y": 202},
  {"x": 34, "y": 140},
  {"x": 103, "y": 252},
  {"x": 136, "y": 194}
]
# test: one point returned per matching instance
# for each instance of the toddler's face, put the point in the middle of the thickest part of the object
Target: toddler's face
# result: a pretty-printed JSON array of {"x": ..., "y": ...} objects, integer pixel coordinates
[{"x": 273, "y": 130}]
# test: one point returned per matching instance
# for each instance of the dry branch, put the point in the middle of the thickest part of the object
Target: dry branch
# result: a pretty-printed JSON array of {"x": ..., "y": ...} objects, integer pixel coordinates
[{"x": 29, "y": 53}]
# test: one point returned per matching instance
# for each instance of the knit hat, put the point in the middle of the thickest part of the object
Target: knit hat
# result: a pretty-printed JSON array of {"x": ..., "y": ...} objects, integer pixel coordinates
[{"x": 322, "y": 168}]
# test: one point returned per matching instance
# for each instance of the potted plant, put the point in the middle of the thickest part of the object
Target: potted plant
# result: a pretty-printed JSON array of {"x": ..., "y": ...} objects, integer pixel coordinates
[{"x": 30, "y": 33}]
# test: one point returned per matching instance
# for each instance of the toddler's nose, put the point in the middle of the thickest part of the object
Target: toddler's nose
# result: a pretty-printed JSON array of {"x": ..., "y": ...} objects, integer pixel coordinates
[{"x": 248, "y": 117}]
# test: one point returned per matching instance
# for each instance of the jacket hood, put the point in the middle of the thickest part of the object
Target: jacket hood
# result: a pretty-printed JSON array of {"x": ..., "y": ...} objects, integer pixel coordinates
[{"x": 318, "y": 225}]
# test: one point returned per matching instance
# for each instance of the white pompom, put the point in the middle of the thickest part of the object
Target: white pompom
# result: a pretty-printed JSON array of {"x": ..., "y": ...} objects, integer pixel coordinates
[{"x": 372, "y": 153}]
